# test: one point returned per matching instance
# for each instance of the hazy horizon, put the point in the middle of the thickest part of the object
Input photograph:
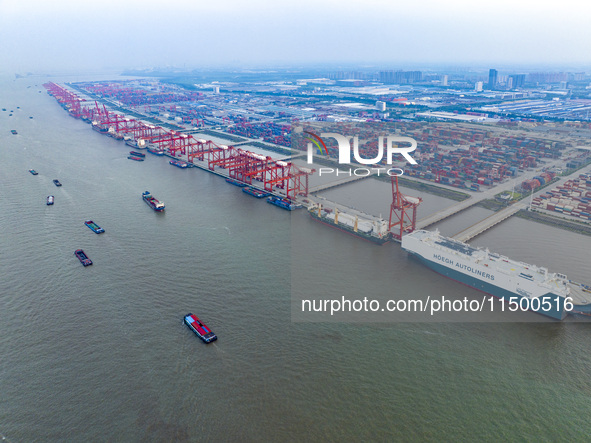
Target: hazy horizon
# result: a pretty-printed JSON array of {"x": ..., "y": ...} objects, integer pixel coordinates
[{"x": 67, "y": 36}]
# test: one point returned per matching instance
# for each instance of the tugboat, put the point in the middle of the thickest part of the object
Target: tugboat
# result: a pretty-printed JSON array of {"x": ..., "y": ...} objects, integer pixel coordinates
[
  {"x": 79, "y": 253},
  {"x": 13, "y": 130},
  {"x": 49, "y": 200},
  {"x": 57, "y": 182},
  {"x": 32, "y": 171},
  {"x": 94, "y": 227},
  {"x": 152, "y": 202},
  {"x": 202, "y": 331}
]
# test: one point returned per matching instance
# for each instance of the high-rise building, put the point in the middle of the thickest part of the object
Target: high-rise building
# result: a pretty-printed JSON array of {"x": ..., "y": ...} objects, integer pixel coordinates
[
  {"x": 517, "y": 81},
  {"x": 400, "y": 77},
  {"x": 381, "y": 106},
  {"x": 478, "y": 86},
  {"x": 444, "y": 80},
  {"x": 579, "y": 76},
  {"x": 547, "y": 77},
  {"x": 492, "y": 78}
]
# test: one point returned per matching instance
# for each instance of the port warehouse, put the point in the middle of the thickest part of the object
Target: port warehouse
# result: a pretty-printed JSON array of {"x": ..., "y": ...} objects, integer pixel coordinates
[
  {"x": 573, "y": 198},
  {"x": 491, "y": 156}
]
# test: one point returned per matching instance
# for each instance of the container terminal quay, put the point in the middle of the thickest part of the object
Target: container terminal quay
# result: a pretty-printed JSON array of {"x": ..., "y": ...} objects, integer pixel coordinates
[{"x": 524, "y": 168}]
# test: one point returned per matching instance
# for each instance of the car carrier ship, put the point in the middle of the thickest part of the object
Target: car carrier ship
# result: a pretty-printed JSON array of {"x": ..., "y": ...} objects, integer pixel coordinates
[{"x": 550, "y": 294}]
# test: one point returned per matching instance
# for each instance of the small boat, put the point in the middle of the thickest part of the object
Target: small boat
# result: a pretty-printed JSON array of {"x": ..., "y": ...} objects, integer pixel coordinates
[
  {"x": 152, "y": 202},
  {"x": 95, "y": 228},
  {"x": 14, "y": 130},
  {"x": 137, "y": 159},
  {"x": 255, "y": 192},
  {"x": 179, "y": 164},
  {"x": 137, "y": 154},
  {"x": 202, "y": 331},
  {"x": 57, "y": 182},
  {"x": 236, "y": 182},
  {"x": 50, "y": 200},
  {"x": 82, "y": 257},
  {"x": 32, "y": 171}
]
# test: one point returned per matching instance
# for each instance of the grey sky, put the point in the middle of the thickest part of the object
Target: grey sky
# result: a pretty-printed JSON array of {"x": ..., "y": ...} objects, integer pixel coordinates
[{"x": 47, "y": 35}]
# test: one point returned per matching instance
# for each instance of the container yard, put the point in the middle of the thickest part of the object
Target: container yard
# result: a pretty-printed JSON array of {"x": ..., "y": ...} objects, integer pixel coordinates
[{"x": 572, "y": 199}]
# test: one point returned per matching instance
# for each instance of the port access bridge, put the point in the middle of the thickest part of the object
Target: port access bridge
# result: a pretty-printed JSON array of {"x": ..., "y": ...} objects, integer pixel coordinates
[
  {"x": 496, "y": 218},
  {"x": 476, "y": 198}
]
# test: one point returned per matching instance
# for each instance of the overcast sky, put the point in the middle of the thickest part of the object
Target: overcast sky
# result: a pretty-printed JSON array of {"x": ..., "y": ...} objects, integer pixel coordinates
[{"x": 94, "y": 34}]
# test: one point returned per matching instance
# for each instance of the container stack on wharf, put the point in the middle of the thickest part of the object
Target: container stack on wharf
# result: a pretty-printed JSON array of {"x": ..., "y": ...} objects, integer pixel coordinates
[{"x": 573, "y": 198}]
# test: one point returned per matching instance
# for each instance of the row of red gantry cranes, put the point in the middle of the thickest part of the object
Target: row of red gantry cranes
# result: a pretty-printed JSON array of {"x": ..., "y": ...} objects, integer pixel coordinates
[{"x": 277, "y": 176}]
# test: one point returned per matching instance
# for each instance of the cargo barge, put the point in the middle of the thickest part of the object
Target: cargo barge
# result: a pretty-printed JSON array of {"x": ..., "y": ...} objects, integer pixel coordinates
[
  {"x": 236, "y": 182},
  {"x": 179, "y": 164},
  {"x": 549, "y": 294},
  {"x": 255, "y": 192},
  {"x": 32, "y": 171},
  {"x": 57, "y": 182},
  {"x": 155, "y": 204},
  {"x": 375, "y": 231},
  {"x": 156, "y": 151},
  {"x": 137, "y": 144},
  {"x": 79, "y": 253},
  {"x": 137, "y": 159},
  {"x": 201, "y": 330},
  {"x": 283, "y": 203},
  {"x": 94, "y": 227},
  {"x": 137, "y": 154}
]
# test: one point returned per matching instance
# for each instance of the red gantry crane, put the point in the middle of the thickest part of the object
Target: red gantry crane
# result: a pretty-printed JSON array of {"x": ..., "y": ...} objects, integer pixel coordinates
[{"x": 403, "y": 212}]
